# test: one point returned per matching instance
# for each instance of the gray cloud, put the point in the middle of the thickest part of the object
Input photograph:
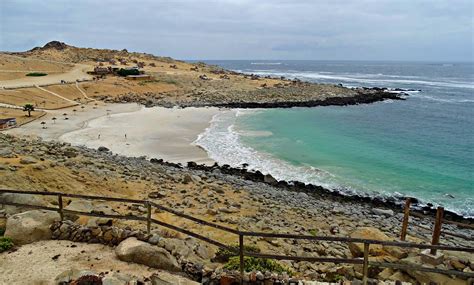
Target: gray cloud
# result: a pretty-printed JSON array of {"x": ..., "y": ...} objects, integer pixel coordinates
[{"x": 244, "y": 29}]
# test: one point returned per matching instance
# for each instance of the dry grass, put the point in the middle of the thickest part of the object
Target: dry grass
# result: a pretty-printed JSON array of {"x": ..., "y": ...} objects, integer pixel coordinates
[
  {"x": 35, "y": 96},
  {"x": 14, "y": 67},
  {"x": 68, "y": 91},
  {"x": 20, "y": 116},
  {"x": 114, "y": 86}
]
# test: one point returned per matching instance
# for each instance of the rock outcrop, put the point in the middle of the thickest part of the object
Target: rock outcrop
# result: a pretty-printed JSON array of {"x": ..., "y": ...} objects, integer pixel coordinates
[
  {"x": 19, "y": 199},
  {"x": 134, "y": 250},
  {"x": 357, "y": 249},
  {"x": 30, "y": 226}
]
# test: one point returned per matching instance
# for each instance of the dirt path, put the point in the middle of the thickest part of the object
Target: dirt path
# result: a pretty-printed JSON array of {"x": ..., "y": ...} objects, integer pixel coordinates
[
  {"x": 83, "y": 93},
  {"x": 57, "y": 95},
  {"x": 78, "y": 72},
  {"x": 47, "y": 259}
]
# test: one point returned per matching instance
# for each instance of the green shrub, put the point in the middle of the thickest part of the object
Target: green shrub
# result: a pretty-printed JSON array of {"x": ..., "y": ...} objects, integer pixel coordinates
[
  {"x": 258, "y": 264},
  {"x": 5, "y": 243},
  {"x": 36, "y": 74},
  {"x": 313, "y": 232},
  {"x": 126, "y": 72},
  {"x": 2, "y": 231},
  {"x": 223, "y": 255}
]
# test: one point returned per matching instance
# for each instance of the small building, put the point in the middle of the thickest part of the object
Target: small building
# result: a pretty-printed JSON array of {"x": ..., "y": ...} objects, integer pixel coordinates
[
  {"x": 99, "y": 70},
  {"x": 139, "y": 77},
  {"x": 7, "y": 123}
]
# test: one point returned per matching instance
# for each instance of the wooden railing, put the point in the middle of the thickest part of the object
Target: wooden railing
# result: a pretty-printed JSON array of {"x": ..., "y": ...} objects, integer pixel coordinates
[
  {"x": 150, "y": 205},
  {"x": 438, "y": 224}
]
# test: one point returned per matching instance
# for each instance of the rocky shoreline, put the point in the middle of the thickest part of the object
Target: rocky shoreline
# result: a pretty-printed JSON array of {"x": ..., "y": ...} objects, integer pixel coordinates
[
  {"x": 248, "y": 201},
  {"x": 301, "y": 94},
  {"x": 395, "y": 203},
  {"x": 360, "y": 98}
]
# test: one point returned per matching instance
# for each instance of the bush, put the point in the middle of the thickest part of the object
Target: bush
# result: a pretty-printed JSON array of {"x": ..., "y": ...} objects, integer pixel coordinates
[
  {"x": 5, "y": 243},
  {"x": 125, "y": 72},
  {"x": 36, "y": 74},
  {"x": 258, "y": 264},
  {"x": 2, "y": 232},
  {"x": 223, "y": 255}
]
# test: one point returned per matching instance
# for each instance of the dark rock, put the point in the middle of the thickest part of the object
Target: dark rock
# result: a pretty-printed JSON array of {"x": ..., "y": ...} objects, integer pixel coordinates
[{"x": 103, "y": 149}]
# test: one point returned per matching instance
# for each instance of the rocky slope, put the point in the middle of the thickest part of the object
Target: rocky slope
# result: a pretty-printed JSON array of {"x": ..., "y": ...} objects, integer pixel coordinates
[
  {"x": 198, "y": 84},
  {"x": 227, "y": 199}
]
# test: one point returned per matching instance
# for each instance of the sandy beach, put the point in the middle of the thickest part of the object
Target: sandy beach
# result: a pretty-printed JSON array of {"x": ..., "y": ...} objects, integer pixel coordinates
[{"x": 128, "y": 129}]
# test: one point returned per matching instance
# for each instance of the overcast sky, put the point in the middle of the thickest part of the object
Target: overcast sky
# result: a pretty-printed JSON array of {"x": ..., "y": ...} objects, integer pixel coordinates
[{"x": 248, "y": 29}]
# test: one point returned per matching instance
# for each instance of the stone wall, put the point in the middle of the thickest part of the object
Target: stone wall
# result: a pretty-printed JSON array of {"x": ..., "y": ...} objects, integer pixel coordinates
[{"x": 109, "y": 235}]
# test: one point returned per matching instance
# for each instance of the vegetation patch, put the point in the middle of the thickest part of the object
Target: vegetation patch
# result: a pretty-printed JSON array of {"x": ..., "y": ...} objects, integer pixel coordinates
[
  {"x": 126, "y": 72},
  {"x": 2, "y": 231},
  {"x": 223, "y": 255},
  {"x": 36, "y": 74},
  {"x": 258, "y": 264},
  {"x": 5, "y": 243}
]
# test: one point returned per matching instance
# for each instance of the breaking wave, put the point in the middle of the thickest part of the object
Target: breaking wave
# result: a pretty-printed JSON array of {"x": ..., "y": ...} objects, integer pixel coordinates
[
  {"x": 375, "y": 79},
  {"x": 223, "y": 144}
]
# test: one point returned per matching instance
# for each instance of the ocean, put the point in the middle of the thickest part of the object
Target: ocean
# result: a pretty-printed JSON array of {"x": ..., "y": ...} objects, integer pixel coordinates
[{"x": 421, "y": 147}]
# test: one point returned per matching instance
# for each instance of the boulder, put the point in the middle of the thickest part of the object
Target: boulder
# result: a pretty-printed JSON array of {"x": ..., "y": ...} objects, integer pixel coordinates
[
  {"x": 133, "y": 250},
  {"x": 72, "y": 274},
  {"x": 427, "y": 277},
  {"x": 103, "y": 149},
  {"x": 20, "y": 199},
  {"x": 165, "y": 278},
  {"x": 31, "y": 226},
  {"x": 176, "y": 246},
  {"x": 382, "y": 212},
  {"x": 270, "y": 180},
  {"x": 88, "y": 207},
  {"x": 7, "y": 153},
  {"x": 28, "y": 160},
  {"x": 357, "y": 249}
]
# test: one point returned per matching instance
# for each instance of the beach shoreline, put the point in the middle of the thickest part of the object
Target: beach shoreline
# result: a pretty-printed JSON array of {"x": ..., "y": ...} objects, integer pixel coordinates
[{"x": 128, "y": 129}]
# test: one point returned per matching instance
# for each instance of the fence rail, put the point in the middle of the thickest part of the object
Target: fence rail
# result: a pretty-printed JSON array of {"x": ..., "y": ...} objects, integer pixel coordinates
[
  {"x": 438, "y": 224},
  {"x": 242, "y": 234}
]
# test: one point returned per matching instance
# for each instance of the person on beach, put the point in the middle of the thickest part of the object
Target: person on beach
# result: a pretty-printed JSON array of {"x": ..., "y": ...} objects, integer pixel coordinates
[
  {"x": 98, "y": 137},
  {"x": 125, "y": 136}
]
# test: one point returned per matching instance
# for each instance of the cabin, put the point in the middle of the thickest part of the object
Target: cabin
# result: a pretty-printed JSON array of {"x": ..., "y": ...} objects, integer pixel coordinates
[
  {"x": 7, "y": 123},
  {"x": 99, "y": 70}
]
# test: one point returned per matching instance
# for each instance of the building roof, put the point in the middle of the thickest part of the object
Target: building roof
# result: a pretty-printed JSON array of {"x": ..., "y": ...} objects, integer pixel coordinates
[
  {"x": 2, "y": 121},
  {"x": 138, "y": 76}
]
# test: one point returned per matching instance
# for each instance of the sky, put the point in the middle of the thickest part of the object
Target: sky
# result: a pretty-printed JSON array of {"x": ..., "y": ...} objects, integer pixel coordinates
[{"x": 440, "y": 30}]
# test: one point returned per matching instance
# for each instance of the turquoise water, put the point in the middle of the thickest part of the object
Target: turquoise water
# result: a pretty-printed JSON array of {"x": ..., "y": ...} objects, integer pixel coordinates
[{"x": 421, "y": 147}]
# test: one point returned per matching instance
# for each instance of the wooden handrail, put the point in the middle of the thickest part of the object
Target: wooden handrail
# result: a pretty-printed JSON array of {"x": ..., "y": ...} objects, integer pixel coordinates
[{"x": 242, "y": 234}]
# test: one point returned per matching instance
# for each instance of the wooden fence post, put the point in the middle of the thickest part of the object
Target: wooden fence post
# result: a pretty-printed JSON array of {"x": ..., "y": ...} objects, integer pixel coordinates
[
  {"x": 437, "y": 228},
  {"x": 365, "y": 269},
  {"x": 148, "y": 217},
  {"x": 241, "y": 255},
  {"x": 60, "y": 203},
  {"x": 406, "y": 217}
]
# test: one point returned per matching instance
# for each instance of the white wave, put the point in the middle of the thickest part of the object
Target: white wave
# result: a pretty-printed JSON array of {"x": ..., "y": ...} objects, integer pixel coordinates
[
  {"x": 368, "y": 79},
  {"x": 223, "y": 143}
]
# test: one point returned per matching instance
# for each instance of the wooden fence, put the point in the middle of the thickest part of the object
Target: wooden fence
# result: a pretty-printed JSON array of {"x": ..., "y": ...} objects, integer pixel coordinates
[
  {"x": 438, "y": 224},
  {"x": 150, "y": 205}
]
